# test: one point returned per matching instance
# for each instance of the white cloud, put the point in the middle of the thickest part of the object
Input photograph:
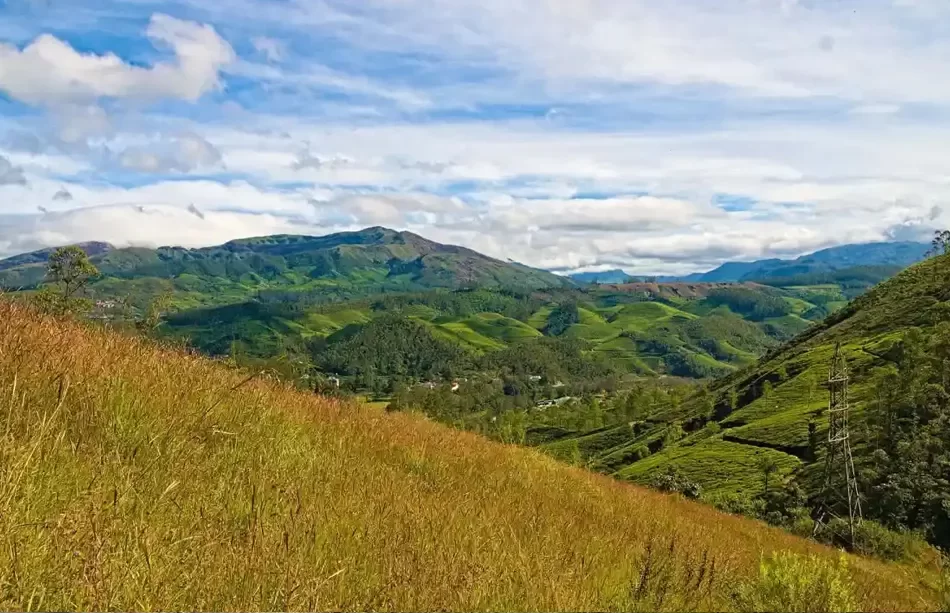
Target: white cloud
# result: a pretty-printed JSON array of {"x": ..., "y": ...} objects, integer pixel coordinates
[
  {"x": 306, "y": 159},
  {"x": 50, "y": 71},
  {"x": 624, "y": 214},
  {"x": 869, "y": 51},
  {"x": 317, "y": 76},
  {"x": 876, "y": 109},
  {"x": 644, "y": 234},
  {"x": 78, "y": 123},
  {"x": 666, "y": 136}
]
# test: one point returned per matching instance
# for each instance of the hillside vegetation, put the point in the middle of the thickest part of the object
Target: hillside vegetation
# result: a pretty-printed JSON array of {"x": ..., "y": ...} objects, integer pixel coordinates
[
  {"x": 863, "y": 264},
  {"x": 133, "y": 477}
]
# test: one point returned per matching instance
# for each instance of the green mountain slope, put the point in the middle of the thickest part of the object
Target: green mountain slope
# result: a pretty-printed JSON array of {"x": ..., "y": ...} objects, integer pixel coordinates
[
  {"x": 894, "y": 338},
  {"x": 266, "y": 296}
]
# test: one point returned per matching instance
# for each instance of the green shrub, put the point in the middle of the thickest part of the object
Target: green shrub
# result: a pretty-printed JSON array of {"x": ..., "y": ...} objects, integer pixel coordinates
[
  {"x": 873, "y": 539},
  {"x": 640, "y": 451},
  {"x": 793, "y": 582},
  {"x": 737, "y": 503},
  {"x": 672, "y": 480}
]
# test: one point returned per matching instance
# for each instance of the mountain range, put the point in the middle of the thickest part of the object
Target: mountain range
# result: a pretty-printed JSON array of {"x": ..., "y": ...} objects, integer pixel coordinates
[{"x": 882, "y": 259}]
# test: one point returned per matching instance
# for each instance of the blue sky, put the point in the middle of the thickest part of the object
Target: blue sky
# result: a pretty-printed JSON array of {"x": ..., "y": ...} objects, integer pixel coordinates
[{"x": 567, "y": 134}]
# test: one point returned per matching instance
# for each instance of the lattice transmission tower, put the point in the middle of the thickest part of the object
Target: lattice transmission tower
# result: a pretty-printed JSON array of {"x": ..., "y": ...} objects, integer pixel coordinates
[{"x": 839, "y": 496}]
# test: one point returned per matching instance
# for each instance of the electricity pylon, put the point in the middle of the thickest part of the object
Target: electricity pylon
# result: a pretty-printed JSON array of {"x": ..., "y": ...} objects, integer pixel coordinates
[{"x": 839, "y": 496}]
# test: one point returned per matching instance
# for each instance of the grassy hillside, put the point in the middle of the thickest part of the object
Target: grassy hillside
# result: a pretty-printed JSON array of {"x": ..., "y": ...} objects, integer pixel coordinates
[{"x": 138, "y": 478}]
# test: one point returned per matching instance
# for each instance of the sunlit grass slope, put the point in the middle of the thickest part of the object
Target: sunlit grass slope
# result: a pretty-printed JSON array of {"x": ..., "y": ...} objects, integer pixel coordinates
[{"x": 134, "y": 478}]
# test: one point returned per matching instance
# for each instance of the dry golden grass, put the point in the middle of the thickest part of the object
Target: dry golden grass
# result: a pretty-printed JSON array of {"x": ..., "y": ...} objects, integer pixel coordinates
[{"x": 138, "y": 478}]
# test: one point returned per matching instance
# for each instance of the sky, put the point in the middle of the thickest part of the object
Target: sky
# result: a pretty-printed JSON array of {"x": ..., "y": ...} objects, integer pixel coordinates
[{"x": 573, "y": 135}]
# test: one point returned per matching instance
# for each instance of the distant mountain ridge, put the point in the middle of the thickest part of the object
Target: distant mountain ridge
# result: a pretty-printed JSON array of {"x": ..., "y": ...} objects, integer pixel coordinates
[
  {"x": 346, "y": 264},
  {"x": 895, "y": 255}
]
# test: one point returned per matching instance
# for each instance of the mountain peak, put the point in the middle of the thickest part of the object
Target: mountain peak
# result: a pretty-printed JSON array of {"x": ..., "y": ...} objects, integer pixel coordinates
[{"x": 379, "y": 232}]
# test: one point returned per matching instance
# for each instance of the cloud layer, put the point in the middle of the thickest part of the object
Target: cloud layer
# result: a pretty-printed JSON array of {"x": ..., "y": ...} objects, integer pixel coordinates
[{"x": 656, "y": 137}]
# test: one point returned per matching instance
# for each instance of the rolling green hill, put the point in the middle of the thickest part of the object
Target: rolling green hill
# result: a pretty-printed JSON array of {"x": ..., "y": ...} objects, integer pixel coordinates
[
  {"x": 270, "y": 295},
  {"x": 709, "y": 332}
]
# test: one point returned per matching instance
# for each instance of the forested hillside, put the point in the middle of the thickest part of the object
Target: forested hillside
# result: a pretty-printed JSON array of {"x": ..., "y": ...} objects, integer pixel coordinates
[{"x": 858, "y": 262}]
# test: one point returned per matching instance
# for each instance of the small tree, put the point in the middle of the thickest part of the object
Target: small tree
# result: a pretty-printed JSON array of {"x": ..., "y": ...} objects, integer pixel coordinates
[
  {"x": 69, "y": 271},
  {"x": 672, "y": 480},
  {"x": 940, "y": 245}
]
